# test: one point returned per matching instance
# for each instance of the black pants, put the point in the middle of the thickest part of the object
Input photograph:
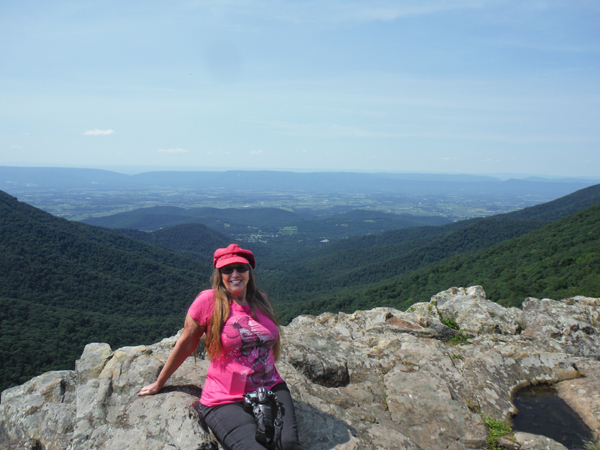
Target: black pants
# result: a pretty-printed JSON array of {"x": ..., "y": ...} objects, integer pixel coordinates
[{"x": 236, "y": 429}]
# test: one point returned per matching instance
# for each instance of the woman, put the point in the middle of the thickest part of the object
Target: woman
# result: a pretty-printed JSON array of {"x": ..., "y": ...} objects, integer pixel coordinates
[{"x": 243, "y": 342}]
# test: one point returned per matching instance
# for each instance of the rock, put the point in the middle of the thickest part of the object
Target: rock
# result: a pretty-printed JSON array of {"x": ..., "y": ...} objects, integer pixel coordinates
[
  {"x": 570, "y": 325},
  {"x": 378, "y": 379},
  {"x": 474, "y": 313},
  {"x": 583, "y": 394},
  {"x": 421, "y": 405},
  {"x": 92, "y": 361},
  {"x": 40, "y": 411},
  {"x": 508, "y": 444},
  {"x": 529, "y": 441},
  {"x": 316, "y": 366}
]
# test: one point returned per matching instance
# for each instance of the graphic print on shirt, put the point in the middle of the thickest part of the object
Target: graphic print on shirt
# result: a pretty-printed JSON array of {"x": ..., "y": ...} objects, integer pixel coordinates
[{"x": 254, "y": 350}]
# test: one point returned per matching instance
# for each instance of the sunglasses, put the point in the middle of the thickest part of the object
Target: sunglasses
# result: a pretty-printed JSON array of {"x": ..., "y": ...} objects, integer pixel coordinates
[{"x": 229, "y": 270}]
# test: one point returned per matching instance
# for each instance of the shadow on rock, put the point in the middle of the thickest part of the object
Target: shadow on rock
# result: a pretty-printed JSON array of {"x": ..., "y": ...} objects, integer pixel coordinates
[{"x": 326, "y": 431}]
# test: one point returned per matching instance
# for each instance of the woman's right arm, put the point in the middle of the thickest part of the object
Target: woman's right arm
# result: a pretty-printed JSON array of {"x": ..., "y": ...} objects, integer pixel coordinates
[{"x": 186, "y": 344}]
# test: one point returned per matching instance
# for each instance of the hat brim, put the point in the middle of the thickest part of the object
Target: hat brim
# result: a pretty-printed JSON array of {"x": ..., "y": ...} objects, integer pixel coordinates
[{"x": 233, "y": 259}]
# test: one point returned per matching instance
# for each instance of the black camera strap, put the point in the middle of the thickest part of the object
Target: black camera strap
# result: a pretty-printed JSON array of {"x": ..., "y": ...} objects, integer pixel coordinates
[{"x": 278, "y": 425}]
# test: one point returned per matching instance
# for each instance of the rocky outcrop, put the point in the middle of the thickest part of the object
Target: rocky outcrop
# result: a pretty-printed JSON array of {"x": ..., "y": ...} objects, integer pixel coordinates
[{"x": 379, "y": 379}]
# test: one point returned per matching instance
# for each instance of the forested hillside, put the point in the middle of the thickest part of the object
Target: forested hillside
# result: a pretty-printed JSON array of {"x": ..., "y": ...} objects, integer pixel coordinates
[
  {"x": 355, "y": 263},
  {"x": 305, "y": 278},
  {"x": 192, "y": 239},
  {"x": 556, "y": 261},
  {"x": 65, "y": 284}
]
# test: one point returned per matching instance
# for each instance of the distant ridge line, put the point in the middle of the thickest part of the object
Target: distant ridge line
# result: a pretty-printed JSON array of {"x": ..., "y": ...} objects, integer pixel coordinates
[{"x": 14, "y": 179}]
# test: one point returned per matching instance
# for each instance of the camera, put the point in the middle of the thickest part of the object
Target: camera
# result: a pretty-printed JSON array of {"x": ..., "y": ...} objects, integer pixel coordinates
[{"x": 266, "y": 410}]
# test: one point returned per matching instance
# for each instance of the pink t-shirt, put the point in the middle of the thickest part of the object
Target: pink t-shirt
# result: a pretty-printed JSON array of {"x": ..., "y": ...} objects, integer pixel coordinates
[{"x": 247, "y": 361}]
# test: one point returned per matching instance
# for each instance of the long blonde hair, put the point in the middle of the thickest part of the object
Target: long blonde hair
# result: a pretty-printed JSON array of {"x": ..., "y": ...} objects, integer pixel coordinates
[{"x": 255, "y": 299}]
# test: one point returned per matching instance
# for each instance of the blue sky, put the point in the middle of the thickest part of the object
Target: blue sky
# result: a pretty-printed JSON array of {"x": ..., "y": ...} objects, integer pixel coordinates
[{"x": 454, "y": 86}]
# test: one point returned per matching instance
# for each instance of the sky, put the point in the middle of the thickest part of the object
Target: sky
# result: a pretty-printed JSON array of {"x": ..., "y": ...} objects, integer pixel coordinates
[{"x": 448, "y": 86}]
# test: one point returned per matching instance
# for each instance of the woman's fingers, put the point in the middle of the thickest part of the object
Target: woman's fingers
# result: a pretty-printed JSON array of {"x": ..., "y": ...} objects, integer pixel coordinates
[{"x": 149, "y": 390}]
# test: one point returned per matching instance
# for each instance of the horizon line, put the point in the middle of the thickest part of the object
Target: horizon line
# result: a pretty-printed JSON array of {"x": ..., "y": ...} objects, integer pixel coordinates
[{"x": 139, "y": 169}]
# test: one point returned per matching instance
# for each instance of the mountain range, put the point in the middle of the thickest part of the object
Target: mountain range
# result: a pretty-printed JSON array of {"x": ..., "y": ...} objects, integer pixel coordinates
[{"x": 36, "y": 178}]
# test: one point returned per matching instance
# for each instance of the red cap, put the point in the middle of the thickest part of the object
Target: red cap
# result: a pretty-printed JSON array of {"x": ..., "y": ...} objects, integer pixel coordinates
[{"x": 233, "y": 254}]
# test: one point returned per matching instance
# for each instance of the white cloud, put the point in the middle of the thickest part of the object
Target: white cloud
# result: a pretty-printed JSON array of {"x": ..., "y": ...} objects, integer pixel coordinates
[
  {"x": 256, "y": 152},
  {"x": 98, "y": 132},
  {"x": 172, "y": 150}
]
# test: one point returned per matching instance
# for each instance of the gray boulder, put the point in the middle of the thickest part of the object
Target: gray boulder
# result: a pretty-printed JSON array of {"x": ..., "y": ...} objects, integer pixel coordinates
[{"x": 378, "y": 379}]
